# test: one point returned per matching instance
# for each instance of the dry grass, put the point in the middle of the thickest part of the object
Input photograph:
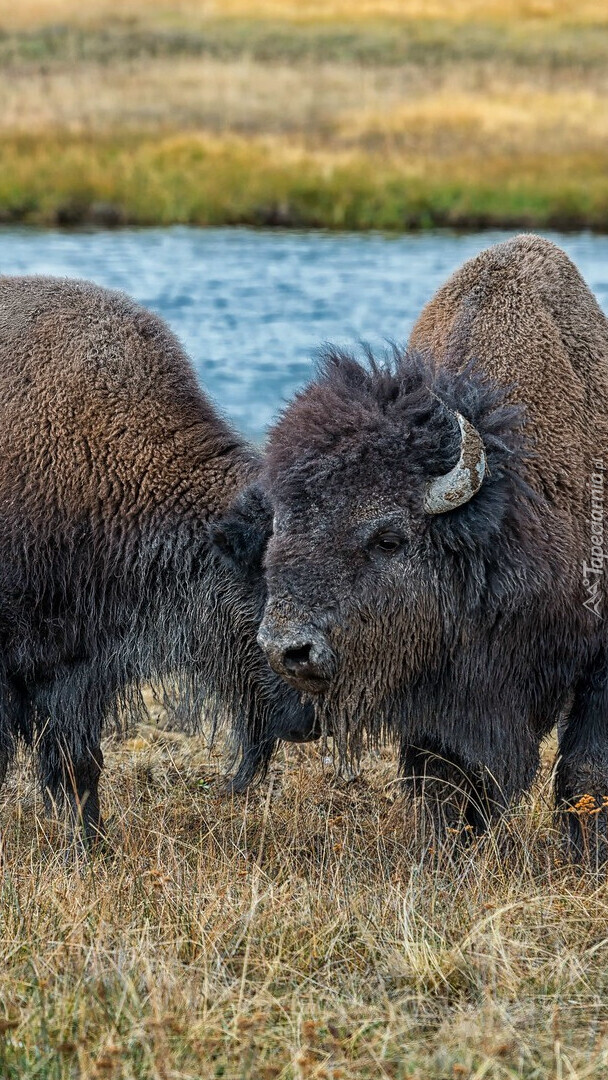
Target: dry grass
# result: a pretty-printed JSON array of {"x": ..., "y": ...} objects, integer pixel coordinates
[
  {"x": 300, "y": 932},
  {"x": 176, "y": 95},
  {"x": 325, "y": 105},
  {"x": 458, "y": 10},
  {"x": 453, "y": 123},
  {"x": 28, "y": 13}
]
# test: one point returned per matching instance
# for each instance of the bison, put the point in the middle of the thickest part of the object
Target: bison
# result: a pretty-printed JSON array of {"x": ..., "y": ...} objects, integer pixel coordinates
[
  {"x": 435, "y": 553},
  {"x": 113, "y": 464}
]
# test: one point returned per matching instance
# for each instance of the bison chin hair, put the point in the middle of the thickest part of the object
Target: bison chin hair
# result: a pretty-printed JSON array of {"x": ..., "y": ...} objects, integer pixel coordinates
[{"x": 379, "y": 656}]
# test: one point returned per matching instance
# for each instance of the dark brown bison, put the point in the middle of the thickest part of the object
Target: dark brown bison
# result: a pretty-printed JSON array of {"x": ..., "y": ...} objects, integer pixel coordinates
[
  {"x": 435, "y": 551},
  {"x": 113, "y": 463}
]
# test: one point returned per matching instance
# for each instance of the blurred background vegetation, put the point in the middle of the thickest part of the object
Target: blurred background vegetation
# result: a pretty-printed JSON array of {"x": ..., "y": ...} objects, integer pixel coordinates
[{"x": 340, "y": 113}]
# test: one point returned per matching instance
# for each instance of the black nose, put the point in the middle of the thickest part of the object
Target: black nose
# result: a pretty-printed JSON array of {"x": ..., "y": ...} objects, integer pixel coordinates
[
  {"x": 309, "y": 662},
  {"x": 297, "y": 659},
  {"x": 306, "y": 660}
]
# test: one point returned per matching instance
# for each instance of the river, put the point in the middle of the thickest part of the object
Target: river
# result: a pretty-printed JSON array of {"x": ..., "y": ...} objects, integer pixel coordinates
[{"x": 254, "y": 307}]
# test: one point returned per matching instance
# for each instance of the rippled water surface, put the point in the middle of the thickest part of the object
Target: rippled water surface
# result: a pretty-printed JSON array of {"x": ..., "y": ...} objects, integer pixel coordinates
[{"x": 253, "y": 308}]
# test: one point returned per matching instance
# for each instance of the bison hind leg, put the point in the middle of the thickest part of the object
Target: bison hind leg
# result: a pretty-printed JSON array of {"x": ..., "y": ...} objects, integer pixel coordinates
[
  {"x": 581, "y": 780},
  {"x": 13, "y": 722},
  {"x": 83, "y": 797}
]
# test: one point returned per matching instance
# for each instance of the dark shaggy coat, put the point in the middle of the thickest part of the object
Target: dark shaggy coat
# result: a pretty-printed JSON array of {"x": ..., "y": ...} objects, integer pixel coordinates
[
  {"x": 465, "y": 635},
  {"x": 112, "y": 464}
]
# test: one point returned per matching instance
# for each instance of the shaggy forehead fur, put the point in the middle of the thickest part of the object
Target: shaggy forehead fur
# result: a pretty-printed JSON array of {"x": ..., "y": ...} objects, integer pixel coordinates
[
  {"x": 348, "y": 399},
  {"x": 372, "y": 418}
]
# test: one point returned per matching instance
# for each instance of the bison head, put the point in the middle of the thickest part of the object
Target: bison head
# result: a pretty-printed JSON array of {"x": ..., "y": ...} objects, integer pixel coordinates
[{"x": 394, "y": 497}]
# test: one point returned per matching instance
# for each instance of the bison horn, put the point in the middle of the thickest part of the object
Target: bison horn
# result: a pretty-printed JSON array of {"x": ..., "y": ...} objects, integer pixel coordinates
[{"x": 464, "y": 480}]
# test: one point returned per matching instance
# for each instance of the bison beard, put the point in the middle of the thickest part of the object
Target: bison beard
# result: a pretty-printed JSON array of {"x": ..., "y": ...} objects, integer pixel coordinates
[
  {"x": 114, "y": 466},
  {"x": 463, "y": 634}
]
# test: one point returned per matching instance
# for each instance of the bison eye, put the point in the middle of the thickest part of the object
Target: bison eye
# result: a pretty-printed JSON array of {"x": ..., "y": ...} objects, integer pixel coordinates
[{"x": 386, "y": 543}]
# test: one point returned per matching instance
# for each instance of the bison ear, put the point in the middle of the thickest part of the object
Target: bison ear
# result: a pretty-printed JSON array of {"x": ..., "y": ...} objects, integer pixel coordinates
[{"x": 242, "y": 533}]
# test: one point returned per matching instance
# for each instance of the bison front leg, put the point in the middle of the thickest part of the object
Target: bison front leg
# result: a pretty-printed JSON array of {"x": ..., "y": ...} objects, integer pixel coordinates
[
  {"x": 81, "y": 784},
  {"x": 73, "y": 780},
  {"x": 581, "y": 784},
  {"x": 455, "y": 798}
]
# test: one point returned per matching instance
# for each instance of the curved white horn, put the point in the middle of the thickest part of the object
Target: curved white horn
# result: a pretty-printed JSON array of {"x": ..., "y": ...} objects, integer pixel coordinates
[{"x": 463, "y": 481}]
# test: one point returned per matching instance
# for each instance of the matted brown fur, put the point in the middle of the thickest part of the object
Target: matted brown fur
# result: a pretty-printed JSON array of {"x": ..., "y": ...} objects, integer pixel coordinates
[{"x": 113, "y": 462}]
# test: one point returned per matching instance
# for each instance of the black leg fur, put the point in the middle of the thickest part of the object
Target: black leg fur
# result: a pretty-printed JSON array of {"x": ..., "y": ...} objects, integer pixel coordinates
[
  {"x": 73, "y": 781},
  {"x": 455, "y": 798},
  {"x": 81, "y": 785},
  {"x": 581, "y": 784}
]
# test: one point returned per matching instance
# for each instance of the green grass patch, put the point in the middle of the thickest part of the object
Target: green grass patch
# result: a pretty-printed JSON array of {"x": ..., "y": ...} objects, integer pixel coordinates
[{"x": 201, "y": 181}]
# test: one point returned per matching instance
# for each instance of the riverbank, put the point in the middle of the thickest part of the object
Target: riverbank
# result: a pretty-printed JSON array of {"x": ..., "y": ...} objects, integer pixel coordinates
[
  {"x": 282, "y": 114},
  {"x": 202, "y": 180}
]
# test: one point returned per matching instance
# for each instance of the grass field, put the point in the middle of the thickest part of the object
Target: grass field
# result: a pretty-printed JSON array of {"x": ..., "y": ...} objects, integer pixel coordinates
[
  {"x": 40, "y": 12},
  {"x": 302, "y": 931},
  {"x": 305, "y": 931},
  {"x": 353, "y": 114}
]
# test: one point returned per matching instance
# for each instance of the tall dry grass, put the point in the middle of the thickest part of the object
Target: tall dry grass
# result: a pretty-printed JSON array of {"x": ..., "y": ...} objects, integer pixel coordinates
[
  {"x": 28, "y": 13},
  {"x": 303, "y": 931},
  {"x": 458, "y": 10},
  {"x": 326, "y": 105}
]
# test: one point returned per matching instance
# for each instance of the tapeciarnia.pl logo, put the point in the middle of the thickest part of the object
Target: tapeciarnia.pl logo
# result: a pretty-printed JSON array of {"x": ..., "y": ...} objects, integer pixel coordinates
[{"x": 593, "y": 571}]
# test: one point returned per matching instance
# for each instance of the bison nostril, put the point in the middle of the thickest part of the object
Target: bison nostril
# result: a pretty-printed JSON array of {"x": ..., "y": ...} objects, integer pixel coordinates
[
  {"x": 294, "y": 659},
  {"x": 308, "y": 664}
]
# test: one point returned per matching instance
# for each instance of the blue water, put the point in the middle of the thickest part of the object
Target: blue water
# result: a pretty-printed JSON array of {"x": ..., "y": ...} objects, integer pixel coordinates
[{"x": 253, "y": 308}]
